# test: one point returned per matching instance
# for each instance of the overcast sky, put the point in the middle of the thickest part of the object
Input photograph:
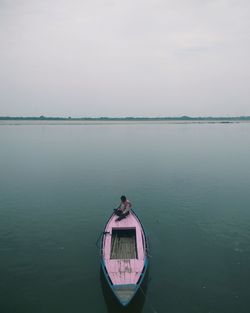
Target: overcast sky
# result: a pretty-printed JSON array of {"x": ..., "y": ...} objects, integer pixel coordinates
[{"x": 124, "y": 57}]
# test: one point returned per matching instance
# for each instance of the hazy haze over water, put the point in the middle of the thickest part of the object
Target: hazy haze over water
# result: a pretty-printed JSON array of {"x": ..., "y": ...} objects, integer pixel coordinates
[{"x": 124, "y": 58}]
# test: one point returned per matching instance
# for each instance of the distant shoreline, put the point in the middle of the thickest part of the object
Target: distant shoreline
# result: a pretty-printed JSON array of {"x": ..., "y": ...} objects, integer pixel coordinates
[
  {"x": 128, "y": 119},
  {"x": 119, "y": 121}
]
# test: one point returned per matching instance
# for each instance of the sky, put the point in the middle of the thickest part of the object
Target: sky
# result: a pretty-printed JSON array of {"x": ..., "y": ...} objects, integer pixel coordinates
[{"x": 124, "y": 58}]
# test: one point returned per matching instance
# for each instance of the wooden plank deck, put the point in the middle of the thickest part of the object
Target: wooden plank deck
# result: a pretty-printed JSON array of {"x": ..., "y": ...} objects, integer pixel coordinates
[{"x": 123, "y": 245}]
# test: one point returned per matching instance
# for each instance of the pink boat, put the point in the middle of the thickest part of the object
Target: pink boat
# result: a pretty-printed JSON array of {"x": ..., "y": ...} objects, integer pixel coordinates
[{"x": 124, "y": 256}]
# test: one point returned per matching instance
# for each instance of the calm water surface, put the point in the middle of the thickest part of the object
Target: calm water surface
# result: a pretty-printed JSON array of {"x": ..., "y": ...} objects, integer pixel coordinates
[{"x": 190, "y": 185}]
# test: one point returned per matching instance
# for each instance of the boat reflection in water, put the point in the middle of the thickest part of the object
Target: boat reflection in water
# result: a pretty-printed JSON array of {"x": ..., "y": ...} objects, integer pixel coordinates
[{"x": 113, "y": 305}]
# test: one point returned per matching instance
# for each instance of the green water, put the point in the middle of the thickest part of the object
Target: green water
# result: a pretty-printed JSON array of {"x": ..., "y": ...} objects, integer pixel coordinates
[{"x": 189, "y": 184}]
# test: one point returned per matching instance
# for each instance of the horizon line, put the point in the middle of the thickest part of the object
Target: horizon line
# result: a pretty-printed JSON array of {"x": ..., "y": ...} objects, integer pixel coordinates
[{"x": 183, "y": 117}]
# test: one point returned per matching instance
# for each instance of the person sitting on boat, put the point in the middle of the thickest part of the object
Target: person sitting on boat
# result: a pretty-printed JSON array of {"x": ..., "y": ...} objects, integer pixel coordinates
[{"x": 123, "y": 209}]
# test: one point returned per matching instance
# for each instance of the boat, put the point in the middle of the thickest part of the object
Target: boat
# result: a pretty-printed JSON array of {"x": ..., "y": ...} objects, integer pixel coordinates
[{"x": 124, "y": 258}]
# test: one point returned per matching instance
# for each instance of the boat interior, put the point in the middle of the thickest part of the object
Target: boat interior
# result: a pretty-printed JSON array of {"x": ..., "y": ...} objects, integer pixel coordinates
[{"x": 123, "y": 244}]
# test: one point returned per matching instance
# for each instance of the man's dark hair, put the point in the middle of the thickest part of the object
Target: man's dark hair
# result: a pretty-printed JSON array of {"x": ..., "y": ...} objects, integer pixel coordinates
[{"x": 123, "y": 198}]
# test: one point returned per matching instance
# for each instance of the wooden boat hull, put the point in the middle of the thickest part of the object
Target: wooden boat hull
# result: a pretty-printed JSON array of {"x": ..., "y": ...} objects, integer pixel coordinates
[{"x": 124, "y": 256}]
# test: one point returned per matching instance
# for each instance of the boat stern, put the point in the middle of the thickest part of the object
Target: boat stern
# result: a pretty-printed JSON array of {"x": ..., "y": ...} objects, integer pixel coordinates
[{"x": 125, "y": 293}]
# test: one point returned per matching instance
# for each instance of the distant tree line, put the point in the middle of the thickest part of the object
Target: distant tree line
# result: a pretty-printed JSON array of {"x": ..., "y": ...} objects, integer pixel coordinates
[{"x": 129, "y": 118}]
